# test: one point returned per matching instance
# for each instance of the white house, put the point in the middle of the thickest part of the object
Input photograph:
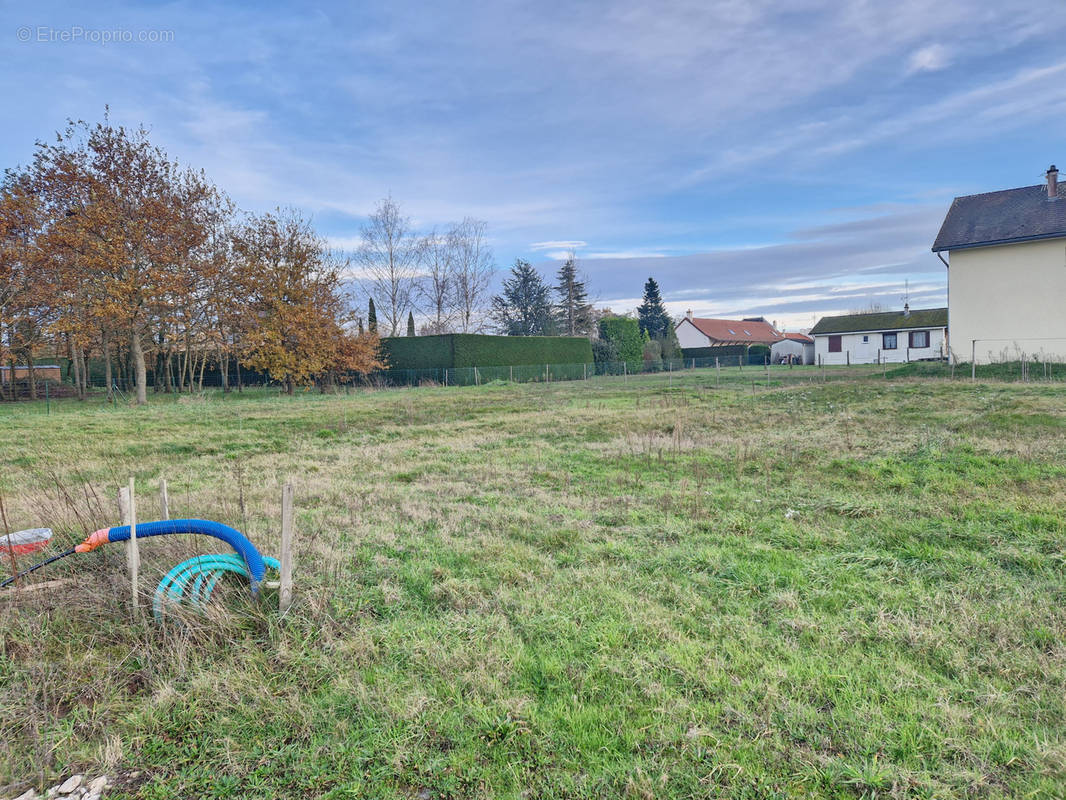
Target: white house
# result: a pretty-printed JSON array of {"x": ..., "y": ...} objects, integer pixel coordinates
[
  {"x": 884, "y": 336},
  {"x": 795, "y": 348},
  {"x": 700, "y": 332},
  {"x": 1007, "y": 272}
]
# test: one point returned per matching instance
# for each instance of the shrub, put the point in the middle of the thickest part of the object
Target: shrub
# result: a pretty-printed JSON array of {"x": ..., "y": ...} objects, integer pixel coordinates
[
  {"x": 758, "y": 353},
  {"x": 624, "y": 334},
  {"x": 604, "y": 351},
  {"x": 653, "y": 355}
]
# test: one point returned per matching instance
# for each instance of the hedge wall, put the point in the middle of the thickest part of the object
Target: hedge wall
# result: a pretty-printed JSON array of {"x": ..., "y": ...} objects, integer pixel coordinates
[
  {"x": 457, "y": 350},
  {"x": 624, "y": 334}
]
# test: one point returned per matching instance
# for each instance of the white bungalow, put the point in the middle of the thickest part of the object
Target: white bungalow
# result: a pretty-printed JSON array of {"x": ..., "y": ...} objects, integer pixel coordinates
[{"x": 888, "y": 336}]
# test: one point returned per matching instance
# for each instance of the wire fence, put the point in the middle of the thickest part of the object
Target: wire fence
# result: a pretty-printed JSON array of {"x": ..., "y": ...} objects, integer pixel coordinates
[{"x": 1003, "y": 366}]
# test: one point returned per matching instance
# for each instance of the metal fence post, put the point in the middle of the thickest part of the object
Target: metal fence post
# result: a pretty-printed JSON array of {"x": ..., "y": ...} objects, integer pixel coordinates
[{"x": 973, "y": 359}]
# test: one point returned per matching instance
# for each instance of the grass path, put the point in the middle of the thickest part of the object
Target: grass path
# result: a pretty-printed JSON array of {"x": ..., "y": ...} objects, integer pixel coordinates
[{"x": 653, "y": 588}]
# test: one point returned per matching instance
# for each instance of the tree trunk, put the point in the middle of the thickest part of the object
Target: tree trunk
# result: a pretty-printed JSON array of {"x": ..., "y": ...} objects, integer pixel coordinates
[
  {"x": 223, "y": 366},
  {"x": 76, "y": 365},
  {"x": 137, "y": 354},
  {"x": 31, "y": 374},
  {"x": 108, "y": 376}
]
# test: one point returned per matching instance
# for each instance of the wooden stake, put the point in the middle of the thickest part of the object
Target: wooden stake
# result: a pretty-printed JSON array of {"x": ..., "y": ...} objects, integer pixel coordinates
[
  {"x": 285, "y": 592},
  {"x": 164, "y": 500},
  {"x": 128, "y": 513}
]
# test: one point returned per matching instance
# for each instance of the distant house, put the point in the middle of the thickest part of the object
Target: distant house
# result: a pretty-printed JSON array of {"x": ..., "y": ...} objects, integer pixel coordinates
[
  {"x": 795, "y": 348},
  {"x": 693, "y": 332},
  {"x": 1007, "y": 272},
  {"x": 42, "y": 372},
  {"x": 884, "y": 336}
]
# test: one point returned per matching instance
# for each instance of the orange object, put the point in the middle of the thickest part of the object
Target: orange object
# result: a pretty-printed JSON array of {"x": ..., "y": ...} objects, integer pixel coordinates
[{"x": 94, "y": 540}]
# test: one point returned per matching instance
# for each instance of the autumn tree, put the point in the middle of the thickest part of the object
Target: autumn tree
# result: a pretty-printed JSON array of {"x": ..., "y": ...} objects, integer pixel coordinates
[
  {"x": 123, "y": 223},
  {"x": 294, "y": 296}
]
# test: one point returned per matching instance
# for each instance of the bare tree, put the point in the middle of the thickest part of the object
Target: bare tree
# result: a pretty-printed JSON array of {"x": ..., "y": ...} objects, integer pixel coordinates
[
  {"x": 437, "y": 286},
  {"x": 472, "y": 272},
  {"x": 389, "y": 257}
]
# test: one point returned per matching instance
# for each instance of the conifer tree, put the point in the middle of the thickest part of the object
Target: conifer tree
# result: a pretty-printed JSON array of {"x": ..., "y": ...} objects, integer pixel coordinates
[
  {"x": 524, "y": 308},
  {"x": 573, "y": 309},
  {"x": 410, "y": 323},
  {"x": 654, "y": 320},
  {"x": 372, "y": 317}
]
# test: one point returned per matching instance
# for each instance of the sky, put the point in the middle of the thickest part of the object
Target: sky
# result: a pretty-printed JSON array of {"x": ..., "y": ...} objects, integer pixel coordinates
[{"x": 757, "y": 157}]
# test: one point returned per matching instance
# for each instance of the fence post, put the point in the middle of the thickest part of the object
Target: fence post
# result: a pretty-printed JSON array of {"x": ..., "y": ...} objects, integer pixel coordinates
[
  {"x": 285, "y": 588},
  {"x": 511, "y": 370},
  {"x": 847, "y": 358},
  {"x": 164, "y": 499},
  {"x": 584, "y": 372},
  {"x": 717, "y": 372},
  {"x": 128, "y": 513},
  {"x": 547, "y": 376},
  {"x": 973, "y": 360},
  {"x": 625, "y": 372}
]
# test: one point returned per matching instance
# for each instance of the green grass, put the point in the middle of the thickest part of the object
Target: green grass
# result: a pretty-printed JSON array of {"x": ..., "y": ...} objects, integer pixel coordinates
[{"x": 657, "y": 587}]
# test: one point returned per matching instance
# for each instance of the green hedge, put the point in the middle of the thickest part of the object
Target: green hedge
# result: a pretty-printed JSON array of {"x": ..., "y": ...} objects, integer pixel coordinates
[
  {"x": 458, "y": 350},
  {"x": 624, "y": 334}
]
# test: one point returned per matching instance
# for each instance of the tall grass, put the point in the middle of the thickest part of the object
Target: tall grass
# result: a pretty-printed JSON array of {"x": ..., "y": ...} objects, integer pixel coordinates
[{"x": 653, "y": 587}]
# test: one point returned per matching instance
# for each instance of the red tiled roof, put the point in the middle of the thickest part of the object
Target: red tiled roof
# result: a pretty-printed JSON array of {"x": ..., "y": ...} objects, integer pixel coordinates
[
  {"x": 732, "y": 331},
  {"x": 799, "y": 337}
]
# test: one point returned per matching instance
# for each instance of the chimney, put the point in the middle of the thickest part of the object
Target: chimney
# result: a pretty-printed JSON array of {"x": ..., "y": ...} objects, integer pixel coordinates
[
  {"x": 906, "y": 309},
  {"x": 1052, "y": 183},
  {"x": 689, "y": 313}
]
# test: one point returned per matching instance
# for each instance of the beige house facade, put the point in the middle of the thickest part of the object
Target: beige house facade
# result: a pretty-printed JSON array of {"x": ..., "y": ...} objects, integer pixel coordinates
[{"x": 1006, "y": 259}]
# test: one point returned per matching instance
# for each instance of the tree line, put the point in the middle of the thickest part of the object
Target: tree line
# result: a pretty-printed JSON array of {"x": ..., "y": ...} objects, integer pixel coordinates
[
  {"x": 123, "y": 261},
  {"x": 112, "y": 251}
]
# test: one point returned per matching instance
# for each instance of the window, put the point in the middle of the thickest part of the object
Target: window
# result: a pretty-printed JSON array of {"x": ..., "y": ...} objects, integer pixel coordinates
[
  {"x": 888, "y": 341},
  {"x": 834, "y": 344},
  {"x": 919, "y": 339},
  {"x": 732, "y": 331},
  {"x": 865, "y": 339},
  {"x": 747, "y": 332}
]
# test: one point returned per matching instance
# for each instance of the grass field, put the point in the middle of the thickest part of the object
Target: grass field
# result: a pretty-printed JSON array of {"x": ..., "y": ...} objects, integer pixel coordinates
[{"x": 656, "y": 588}]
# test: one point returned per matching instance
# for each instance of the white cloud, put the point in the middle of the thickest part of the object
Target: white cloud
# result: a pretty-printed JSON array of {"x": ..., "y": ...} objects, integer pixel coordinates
[
  {"x": 574, "y": 244},
  {"x": 930, "y": 58}
]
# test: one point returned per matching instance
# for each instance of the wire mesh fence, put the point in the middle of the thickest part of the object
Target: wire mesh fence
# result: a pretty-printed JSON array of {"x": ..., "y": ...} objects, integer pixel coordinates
[{"x": 1003, "y": 365}]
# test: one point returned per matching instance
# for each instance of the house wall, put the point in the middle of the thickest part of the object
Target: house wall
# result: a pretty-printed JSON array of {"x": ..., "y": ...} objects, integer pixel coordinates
[
  {"x": 48, "y": 372},
  {"x": 688, "y": 335},
  {"x": 1010, "y": 298},
  {"x": 802, "y": 353},
  {"x": 868, "y": 352}
]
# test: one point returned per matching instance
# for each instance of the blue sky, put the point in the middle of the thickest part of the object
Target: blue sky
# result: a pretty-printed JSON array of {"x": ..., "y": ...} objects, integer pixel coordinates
[{"x": 756, "y": 157}]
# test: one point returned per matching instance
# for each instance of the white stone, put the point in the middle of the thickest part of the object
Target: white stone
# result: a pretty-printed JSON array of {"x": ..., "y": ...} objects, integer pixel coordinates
[
  {"x": 70, "y": 784},
  {"x": 98, "y": 785},
  {"x": 29, "y": 794}
]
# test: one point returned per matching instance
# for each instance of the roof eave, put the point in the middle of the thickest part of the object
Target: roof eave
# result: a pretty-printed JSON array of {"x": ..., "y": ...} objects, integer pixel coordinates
[{"x": 994, "y": 242}]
